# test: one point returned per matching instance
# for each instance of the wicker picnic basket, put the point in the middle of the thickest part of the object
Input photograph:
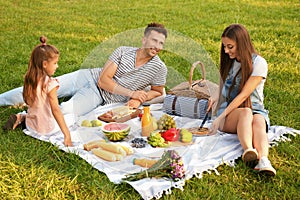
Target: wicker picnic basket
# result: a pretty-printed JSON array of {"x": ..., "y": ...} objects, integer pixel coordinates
[
  {"x": 201, "y": 89},
  {"x": 190, "y": 99}
]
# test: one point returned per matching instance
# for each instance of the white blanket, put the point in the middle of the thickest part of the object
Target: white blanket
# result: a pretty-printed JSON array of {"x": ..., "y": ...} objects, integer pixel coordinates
[{"x": 204, "y": 155}]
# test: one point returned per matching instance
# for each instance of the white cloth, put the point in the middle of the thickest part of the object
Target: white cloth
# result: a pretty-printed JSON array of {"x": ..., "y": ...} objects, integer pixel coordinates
[{"x": 204, "y": 155}]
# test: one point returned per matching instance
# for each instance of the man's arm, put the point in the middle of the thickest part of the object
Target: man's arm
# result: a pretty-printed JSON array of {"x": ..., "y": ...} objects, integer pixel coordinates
[
  {"x": 107, "y": 83},
  {"x": 155, "y": 91}
]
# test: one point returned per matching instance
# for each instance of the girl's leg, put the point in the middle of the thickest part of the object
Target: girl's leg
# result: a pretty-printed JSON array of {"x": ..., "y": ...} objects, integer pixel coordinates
[{"x": 240, "y": 121}]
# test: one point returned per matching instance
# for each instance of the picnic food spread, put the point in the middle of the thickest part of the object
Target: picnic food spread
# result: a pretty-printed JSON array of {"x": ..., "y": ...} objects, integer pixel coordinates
[{"x": 163, "y": 134}]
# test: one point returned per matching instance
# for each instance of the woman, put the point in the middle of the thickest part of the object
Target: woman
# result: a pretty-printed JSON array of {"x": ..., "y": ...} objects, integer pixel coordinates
[{"x": 240, "y": 105}]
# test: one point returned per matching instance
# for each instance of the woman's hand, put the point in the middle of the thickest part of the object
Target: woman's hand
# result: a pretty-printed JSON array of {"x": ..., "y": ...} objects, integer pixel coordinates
[
  {"x": 215, "y": 126},
  {"x": 211, "y": 103}
]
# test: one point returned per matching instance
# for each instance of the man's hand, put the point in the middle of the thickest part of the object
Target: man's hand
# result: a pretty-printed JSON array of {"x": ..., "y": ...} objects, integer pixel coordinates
[
  {"x": 133, "y": 103},
  {"x": 140, "y": 95}
]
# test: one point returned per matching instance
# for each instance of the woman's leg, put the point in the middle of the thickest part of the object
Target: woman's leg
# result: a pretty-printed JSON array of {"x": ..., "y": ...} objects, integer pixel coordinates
[
  {"x": 240, "y": 121},
  {"x": 260, "y": 138},
  {"x": 261, "y": 143}
]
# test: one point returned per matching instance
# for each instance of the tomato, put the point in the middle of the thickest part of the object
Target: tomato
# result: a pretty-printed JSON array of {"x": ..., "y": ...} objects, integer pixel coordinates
[{"x": 140, "y": 115}]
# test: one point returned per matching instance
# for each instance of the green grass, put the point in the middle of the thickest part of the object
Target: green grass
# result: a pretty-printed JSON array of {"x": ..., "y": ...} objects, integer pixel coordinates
[{"x": 32, "y": 169}]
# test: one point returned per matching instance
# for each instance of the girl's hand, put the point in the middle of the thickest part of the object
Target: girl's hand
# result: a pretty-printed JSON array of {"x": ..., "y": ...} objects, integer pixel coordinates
[{"x": 68, "y": 142}]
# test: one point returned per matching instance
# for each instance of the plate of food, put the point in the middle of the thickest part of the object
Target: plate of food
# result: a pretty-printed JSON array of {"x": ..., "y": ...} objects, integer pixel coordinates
[
  {"x": 120, "y": 114},
  {"x": 199, "y": 131}
]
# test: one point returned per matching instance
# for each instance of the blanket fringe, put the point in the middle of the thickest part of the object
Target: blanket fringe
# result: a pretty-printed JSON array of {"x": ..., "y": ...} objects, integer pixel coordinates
[{"x": 178, "y": 185}]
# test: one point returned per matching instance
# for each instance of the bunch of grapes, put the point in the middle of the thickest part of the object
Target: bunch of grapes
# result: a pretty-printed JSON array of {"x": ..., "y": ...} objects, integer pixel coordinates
[{"x": 166, "y": 122}]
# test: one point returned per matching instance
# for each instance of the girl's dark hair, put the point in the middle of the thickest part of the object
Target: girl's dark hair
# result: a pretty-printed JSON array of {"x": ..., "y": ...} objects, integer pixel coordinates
[
  {"x": 35, "y": 72},
  {"x": 156, "y": 27},
  {"x": 245, "y": 49}
]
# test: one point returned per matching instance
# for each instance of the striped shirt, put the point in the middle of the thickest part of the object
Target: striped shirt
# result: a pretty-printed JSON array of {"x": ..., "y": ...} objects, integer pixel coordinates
[{"x": 152, "y": 73}]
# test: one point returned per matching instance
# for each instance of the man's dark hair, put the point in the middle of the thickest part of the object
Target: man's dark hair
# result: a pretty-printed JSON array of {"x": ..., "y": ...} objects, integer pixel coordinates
[{"x": 156, "y": 27}]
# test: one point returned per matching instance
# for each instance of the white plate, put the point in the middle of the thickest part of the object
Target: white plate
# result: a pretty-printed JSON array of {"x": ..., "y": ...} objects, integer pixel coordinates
[{"x": 155, "y": 107}]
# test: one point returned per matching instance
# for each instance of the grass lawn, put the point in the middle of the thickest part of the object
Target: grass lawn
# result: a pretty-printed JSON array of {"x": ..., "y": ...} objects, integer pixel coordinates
[{"x": 32, "y": 169}]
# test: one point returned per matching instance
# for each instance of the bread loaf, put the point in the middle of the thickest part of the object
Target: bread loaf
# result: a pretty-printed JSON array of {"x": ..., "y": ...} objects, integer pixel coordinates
[
  {"x": 144, "y": 162},
  {"x": 106, "y": 155}
]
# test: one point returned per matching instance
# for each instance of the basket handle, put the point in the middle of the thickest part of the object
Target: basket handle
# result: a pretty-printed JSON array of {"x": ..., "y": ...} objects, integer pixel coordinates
[{"x": 192, "y": 71}]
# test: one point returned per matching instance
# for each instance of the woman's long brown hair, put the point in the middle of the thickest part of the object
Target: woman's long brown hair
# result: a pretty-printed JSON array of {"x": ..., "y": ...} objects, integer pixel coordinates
[
  {"x": 245, "y": 49},
  {"x": 35, "y": 72}
]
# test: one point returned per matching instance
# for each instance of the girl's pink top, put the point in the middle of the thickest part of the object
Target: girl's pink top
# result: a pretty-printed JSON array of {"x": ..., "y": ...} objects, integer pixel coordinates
[{"x": 39, "y": 115}]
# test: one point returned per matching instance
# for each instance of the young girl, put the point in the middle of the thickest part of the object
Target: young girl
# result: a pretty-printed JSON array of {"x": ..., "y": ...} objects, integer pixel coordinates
[
  {"x": 40, "y": 94},
  {"x": 240, "y": 107}
]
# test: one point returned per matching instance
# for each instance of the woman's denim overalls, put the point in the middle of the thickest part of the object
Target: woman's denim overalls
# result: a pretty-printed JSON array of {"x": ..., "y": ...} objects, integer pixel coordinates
[{"x": 257, "y": 104}]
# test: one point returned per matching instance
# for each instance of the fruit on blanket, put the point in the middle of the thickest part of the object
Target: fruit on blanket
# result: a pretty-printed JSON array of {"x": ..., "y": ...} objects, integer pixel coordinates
[
  {"x": 86, "y": 123},
  {"x": 185, "y": 136},
  {"x": 138, "y": 143},
  {"x": 171, "y": 135},
  {"x": 156, "y": 140},
  {"x": 166, "y": 122},
  {"x": 96, "y": 123},
  {"x": 116, "y": 131},
  {"x": 154, "y": 121}
]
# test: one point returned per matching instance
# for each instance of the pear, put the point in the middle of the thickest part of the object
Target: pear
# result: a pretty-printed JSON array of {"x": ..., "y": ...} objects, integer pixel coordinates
[
  {"x": 154, "y": 123},
  {"x": 86, "y": 123},
  {"x": 96, "y": 123}
]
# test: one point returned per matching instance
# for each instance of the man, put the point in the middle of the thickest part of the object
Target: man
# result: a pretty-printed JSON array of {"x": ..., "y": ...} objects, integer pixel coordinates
[{"x": 124, "y": 78}]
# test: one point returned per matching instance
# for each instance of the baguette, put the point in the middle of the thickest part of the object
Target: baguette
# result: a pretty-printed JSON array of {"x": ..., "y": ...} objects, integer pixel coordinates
[
  {"x": 114, "y": 148},
  {"x": 92, "y": 145},
  {"x": 119, "y": 156},
  {"x": 147, "y": 163},
  {"x": 106, "y": 155},
  {"x": 128, "y": 150}
]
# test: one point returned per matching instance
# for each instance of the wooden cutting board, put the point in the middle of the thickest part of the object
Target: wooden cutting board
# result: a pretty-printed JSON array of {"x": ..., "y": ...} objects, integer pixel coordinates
[{"x": 104, "y": 117}]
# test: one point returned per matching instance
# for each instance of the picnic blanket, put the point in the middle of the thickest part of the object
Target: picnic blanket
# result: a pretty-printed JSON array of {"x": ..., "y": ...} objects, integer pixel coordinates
[{"x": 204, "y": 155}]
